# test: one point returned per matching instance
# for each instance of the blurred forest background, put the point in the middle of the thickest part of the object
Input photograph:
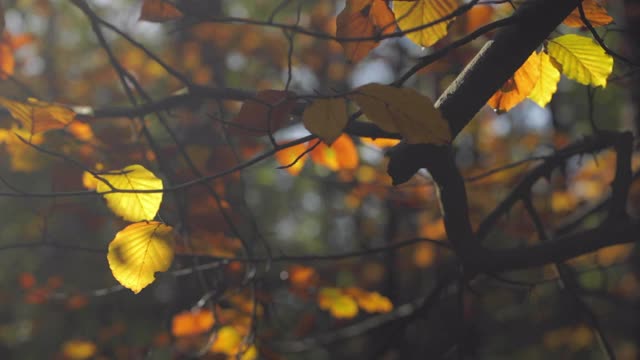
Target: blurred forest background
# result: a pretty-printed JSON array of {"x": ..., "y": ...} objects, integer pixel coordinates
[{"x": 324, "y": 259}]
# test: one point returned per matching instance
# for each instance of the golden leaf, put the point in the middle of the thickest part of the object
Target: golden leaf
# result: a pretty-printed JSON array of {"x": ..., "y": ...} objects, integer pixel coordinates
[
  {"x": 593, "y": 11},
  {"x": 78, "y": 349},
  {"x": 518, "y": 87},
  {"x": 412, "y": 14},
  {"x": 547, "y": 84},
  {"x": 582, "y": 59},
  {"x": 363, "y": 19},
  {"x": 139, "y": 251},
  {"x": 37, "y": 116},
  {"x": 132, "y": 206},
  {"x": 189, "y": 323},
  {"x": 404, "y": 111},
  {"x": 326, "y": 118}
]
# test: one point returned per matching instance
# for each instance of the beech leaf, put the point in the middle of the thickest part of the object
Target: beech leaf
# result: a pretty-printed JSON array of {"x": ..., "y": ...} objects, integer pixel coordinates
[
  {"x": 519, "y": 86},
  {"x": 326, "y": 118},
  {"x": 38, "y": 116},
  {"x": 593, "y": 11},
  {"x": 139, "y": 251},
  {"x": 132, "y": 206},
  {"x": 404, "y": 111},
  {"x": 268, "y": 112},
  {"x": 547, "y": 83},
  {"x": 582, "y": 59},
  {"x": 159, "y": 11},
  {"x": 412, "y": 14}
]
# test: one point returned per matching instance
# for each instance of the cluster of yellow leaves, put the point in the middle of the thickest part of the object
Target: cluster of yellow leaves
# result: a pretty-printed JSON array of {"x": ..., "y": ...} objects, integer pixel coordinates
[
  {"x": 145, "y": 247},
  {"x": 578, "y": 57},
  {"x": 345, "y": 303}
]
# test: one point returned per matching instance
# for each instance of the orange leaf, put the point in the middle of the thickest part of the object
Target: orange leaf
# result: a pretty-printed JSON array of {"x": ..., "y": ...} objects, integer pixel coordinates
[
  {"x": 518, "y": 87},
  {"x": 594, "y": 12},
  {"x": 265, "y": 114},
  {"x": 360, "y": 19},
  {"x": 341, "y": 155},
  {"x": 159, "y": 11},
  {"x": 189, "y": 323},
  {"x": 302, "y": 276},
  {"x": 287, "y": 157},
  {"x": 38, "y": 116}
]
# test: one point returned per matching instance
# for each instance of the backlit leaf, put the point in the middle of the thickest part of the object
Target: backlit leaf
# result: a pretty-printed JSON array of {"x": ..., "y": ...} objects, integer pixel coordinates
[
  {"x": 547, "y": 83},
  {"x": 37, "y": 116},
  {"x": 326, "y": 118},
  {"x": 344, "y": 307},
  {"x": 341, "y": 155},
  {"x": 363, "y": 19},
  {"x": 138, "y": 252},
  {"x": 404, "y": 111},
  {"x": 291, "y": 158},
  {"x": 227, "y": 341},
  {"x": 519, "y": 86},
  {"x": 371, "y": 302},
  {"x": 78, "y": 349},
  {"x": 594, "y": 12},
  {"x": 268, "y": 112},
  {"x": 189, "y": 323},
  {"x": 132, "y": 206},
  {"x": 582, "y": 59},
  {"x": 159, "y": 11},
  {"x": 411, "y": 14}
]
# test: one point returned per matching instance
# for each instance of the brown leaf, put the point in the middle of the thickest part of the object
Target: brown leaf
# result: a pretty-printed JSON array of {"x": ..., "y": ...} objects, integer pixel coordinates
[
  {"x": 265, "y": 114},
  {"x": 159, "y": 11},
  {"x": 594, "y": 12}
]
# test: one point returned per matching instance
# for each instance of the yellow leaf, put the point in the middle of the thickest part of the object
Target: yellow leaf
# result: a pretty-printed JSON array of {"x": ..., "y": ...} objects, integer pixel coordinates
[
  {"x": 250, "y": 354},
  {"x": 594, "y": 12},
  {"x": 22, "y": 157},
  {"x": 342, "y": 155},
  {"x": 327, "y": 296},
  {"x": 363, "y": 19},
  {"x": 138, "y": 252},
  {"x": 159, "y": 11},
  {"x": 344, "y": 307},
  {"x": 411, "y": 14},
  {"x": 78, "y": 349},
  {"x": 547, "y": 82},
  {"x": 132, "y": 206},
  {"x": 404, "y": 111},
  {"x": 326, "y": 118},
  {"x": 227, "y": 341},
  {"x": 582, "y": 59},
  {"x": 37, "y": 116},
  {"x": 518, "y": 86}
]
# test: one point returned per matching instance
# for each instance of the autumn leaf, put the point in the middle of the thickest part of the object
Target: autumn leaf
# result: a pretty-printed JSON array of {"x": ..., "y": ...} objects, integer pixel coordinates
[
  {"x": 582, "y": 59},
  {"x": 8, "y": 45},
  {"x": 159, "y": 11},
  {"x": 132, "y": 206},
  {"x": 38, "y": 116},
  {"x": 23, "y": 157},
  {"x": 363, "y": 19},
  {"x": 547, "y": 83},
  {"x": 326, "y": 118},
  {"x": 265, "y": 114},
  {"x": 341, "y": 155},
  {"x": 227, "y": 341},
  {"x": 412, "y": 14},
  {"x": 593, "y": 11},
  {"x": 189, "y": 323},
  {"x": 404, "y": 111},
  {"x": 519, "y": 86},
  {"x": 78, "y": 349},
  {"x": 139, "y": 251},
  {"x": 290, "y": 158}
]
